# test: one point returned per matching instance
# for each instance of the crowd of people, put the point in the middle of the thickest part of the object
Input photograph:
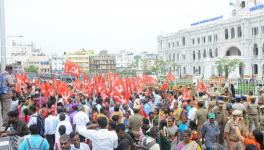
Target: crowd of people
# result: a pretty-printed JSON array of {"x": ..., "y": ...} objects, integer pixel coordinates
[{"x": 154, "y": 119}]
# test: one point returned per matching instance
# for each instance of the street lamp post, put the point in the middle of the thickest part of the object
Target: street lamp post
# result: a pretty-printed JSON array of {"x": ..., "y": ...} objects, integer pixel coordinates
[{"x": 2, "y": 35}]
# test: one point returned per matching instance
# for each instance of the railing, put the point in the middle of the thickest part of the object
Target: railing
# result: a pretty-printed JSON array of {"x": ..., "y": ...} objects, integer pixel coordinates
[{"x": 242, "y": 87}]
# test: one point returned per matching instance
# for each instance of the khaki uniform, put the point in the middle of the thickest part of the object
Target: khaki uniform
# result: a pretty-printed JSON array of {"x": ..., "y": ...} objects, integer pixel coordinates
[
  {"x": 219, "y": 116},
  {"x": 261, "y": 121},
  {"x": 201, "y": 115},
  {"x": 261, "y": 99},
  {"x": 230, "y": 129},
  {"x": 253, "y": 115},
  {"x": 245, "y": 115}
]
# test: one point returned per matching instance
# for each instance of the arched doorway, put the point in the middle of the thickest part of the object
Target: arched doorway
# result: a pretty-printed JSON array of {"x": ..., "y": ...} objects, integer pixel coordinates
[{"x": 233, "y": 51}]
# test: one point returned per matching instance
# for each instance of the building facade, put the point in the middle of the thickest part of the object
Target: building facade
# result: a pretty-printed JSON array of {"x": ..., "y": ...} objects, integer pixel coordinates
[
  {"x": 41, "y": 61},
  {"x": 81, "y": 58},
  {"x": 57, "y": 63},
  {"x": 194, "y": 51},
  {"x": 124, "y": 59},
  {"x": 103, "y": 62}
]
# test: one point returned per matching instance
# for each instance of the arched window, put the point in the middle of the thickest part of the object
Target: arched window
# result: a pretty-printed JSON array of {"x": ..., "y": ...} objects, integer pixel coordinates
[
  {"x": 193, "y": 69},
  {"x": 204, "y": 54},
  {"x": 255, "y": 69},
  {"x": 255, "y": 49},
  {"x": 199, "y": 70},
  {"x": 168, "y": 45},
  {"x": 174, "y": 56},
  {"x": 210, "y": 53},
  {"x": 169, "y": 56},
  {"x": 216, "y": 52},
  {"x": 199, "y": 55},
  {"x": 233, "y": 51},
  {"x": 193, "y": 55},
  {"x": 178, "y": 56}
]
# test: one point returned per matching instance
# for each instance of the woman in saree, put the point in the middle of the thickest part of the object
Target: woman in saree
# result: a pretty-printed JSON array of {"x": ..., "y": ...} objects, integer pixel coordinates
[{"x": 187, "y": 143}]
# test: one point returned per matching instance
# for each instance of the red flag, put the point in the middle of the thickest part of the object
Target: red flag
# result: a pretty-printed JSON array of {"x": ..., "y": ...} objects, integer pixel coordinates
[
  {"x": 64, "y": 91},
  {"x": 170, "y": 77},
  {"x": 164, "y": 86},
  {"x": 148, "y": 80},
  {"x": 56, "y": 84},
  {"x": 77, "y": 84},
  {"x": 37, "y": 83},
  {"x": 186, "y": 94},
  {"x": 201, "y": 86},
  {"x": 118, "y": 97},
  {"x": 72, "y": 68}
]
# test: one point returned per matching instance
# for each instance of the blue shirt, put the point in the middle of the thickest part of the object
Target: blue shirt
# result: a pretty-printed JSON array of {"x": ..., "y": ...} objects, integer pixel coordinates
[
  {"x": 182, "y": 127},
  {"x": 211, "y": 131},
  {"x": 147, "y": 108},
  {"x": 34, "y": 140},
  {"x": 157, "y": 98}
]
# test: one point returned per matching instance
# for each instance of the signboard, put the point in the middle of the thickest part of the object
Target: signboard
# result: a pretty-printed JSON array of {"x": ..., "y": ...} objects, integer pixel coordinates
[
  {"x": 207, "y": 20},
  {"x": 258, "y": 7}
]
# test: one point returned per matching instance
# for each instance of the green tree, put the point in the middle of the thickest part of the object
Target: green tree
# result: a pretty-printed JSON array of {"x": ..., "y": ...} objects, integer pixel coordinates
[
  {"x": 31, "y": 68},
  {"x": 226, "y": 66},
  {"x": 158, "y": 66}
]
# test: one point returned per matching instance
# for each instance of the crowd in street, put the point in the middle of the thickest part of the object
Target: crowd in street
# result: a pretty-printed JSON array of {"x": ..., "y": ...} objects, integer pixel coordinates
[{"x": 214, "y": 118}]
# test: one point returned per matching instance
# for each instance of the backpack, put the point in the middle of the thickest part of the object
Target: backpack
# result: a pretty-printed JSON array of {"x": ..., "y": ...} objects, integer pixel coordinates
[
  {"x": 2, "y": 85},
  {"x": 37, "y": 148},
  {"x": 40, "y": 123},
  {"x": 145, "y": 146}
]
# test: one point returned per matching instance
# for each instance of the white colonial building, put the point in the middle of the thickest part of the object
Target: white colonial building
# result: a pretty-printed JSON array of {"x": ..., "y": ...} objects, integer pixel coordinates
[
  {"x": 194, "y": 51},
  {"x": 124, "y": 59}
]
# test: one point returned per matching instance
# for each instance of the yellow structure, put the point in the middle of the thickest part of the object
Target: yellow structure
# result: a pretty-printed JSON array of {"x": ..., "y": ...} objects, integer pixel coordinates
[{"x": 81, "y": 58}]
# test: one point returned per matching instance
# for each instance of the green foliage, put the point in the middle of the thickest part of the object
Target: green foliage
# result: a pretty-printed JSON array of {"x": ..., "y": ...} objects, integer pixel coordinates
[
  {"x": 31, "y": 68},
  {"x": 226, "y": 66}
]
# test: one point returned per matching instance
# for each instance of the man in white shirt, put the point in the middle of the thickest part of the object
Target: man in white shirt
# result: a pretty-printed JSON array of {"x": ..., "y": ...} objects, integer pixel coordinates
[
  {"x": 102, "y": 139},
  {"x": 80, "y": 119},
  {"x": 76, "y": 144},
  {"x": 66, "y": 123},
  {"x": 192, "y": 113},
  {"x": 50, "y": 128},
  {"x": 34, "y": 115}
]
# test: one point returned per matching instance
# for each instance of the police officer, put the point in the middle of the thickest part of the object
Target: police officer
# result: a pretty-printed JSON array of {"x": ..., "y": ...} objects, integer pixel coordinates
[
  {"x": 253, "y": 113},
  {"x": 261, "y": 118},
  {"x": 261, "y": 97},
  {"x": 232, "y": 140},
  {"x": 201, "y": 116},
  {"x": 219, "y": 113}
]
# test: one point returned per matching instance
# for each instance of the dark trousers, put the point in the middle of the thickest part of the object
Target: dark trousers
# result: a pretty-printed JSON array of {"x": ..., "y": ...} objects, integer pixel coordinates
[{"x": 51, "y": 141}]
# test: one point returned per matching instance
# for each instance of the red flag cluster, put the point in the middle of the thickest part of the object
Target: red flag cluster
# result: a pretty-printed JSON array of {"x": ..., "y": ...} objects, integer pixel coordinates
[{"x": 107, "y": 86}]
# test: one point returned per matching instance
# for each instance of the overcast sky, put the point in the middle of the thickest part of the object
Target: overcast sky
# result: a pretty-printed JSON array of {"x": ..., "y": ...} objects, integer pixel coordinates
[{"x": 68, "y": 25}]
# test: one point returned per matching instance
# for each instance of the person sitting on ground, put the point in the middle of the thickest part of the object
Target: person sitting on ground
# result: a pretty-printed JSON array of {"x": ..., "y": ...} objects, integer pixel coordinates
[
  {"x": 34, "y": 141},
  {"x": 19, "y": 127}
]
